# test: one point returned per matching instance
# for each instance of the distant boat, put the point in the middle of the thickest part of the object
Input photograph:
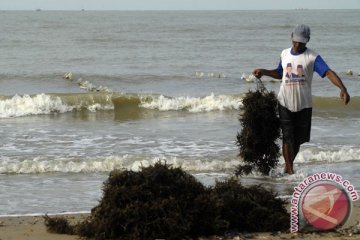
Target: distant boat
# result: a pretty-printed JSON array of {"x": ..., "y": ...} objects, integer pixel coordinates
[
  {"x": 38, "y": 10},
  {"x": 82, "y": 10}
]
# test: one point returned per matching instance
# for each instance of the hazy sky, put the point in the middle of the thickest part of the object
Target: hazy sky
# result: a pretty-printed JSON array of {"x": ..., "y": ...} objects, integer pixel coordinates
[{"x": 176, "y": 4}]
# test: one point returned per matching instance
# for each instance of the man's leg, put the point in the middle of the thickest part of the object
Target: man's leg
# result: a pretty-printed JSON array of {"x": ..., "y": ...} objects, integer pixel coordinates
[
  {"x": 289, "y": 152},
  {"x": 301, "y": 134},
  {"x": 295, "y": 128},
  {"x": 296, "y": 151}
]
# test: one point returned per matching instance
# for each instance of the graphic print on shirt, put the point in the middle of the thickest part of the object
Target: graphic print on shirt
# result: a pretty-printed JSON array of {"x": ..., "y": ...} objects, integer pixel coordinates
[{"x": 292, "y": 78}]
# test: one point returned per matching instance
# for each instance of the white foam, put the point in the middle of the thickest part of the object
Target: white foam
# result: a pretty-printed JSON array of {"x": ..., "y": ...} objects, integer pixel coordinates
[
  {"x": 193, "y": 104},
  {"x": 90, "y": 87},
  {"x": 97, "y": 106},
  {"x": 192, "y": 163},
  {"x": 328, "y": 154},
  {"x": 210, "y": 74},
  {"x": 110, "y": 163},
  {"x": 42, "y": 214},
  {"x": 18, "y": 106}
]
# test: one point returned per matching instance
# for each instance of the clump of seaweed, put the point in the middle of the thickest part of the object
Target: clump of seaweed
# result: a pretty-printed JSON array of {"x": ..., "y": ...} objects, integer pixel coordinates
[
  {"x": 157, "y": 202},
  {"x": 251, "y": 209},
  {"x": 58, "y": 225},
  {"x": 260, "y": 131},
  {"x": 167, "y": 203}
]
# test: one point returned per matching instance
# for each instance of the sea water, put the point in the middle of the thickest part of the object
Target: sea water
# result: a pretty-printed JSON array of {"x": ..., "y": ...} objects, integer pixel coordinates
[{"x": 156, "y": 86}]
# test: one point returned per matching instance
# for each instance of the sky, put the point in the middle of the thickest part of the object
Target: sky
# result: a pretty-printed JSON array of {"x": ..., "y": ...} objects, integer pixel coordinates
[{"x": 176, "y": 4}]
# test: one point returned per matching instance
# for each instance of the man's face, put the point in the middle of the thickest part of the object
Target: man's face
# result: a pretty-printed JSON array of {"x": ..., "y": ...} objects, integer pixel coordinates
[{"x": 298, "y": 46}]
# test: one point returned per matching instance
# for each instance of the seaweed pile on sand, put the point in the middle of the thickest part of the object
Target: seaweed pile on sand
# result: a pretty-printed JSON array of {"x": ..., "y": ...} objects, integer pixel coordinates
[
  {"x": 260, "y": 131},
  {"x": 162, "y": 202}
]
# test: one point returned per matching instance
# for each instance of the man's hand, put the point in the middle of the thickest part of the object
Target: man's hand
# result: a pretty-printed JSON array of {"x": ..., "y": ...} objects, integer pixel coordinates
[
  {"x": 258, "y": 73},
  {"x": 344, "y": 95},
  {"x": 335, "y": 79}
]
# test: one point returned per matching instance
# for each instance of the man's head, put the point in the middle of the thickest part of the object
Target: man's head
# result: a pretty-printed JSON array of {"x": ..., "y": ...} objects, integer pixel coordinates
[{"x": 301, "y": 34}]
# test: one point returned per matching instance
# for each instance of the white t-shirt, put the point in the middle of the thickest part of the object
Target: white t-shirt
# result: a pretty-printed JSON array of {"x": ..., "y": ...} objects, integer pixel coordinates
[{"x": 297, "y": 74}]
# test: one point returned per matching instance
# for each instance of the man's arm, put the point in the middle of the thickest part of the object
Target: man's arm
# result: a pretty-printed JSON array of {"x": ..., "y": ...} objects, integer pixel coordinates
[
  {"x": 335, "y": 79},
  {"x": 264, "y": 72}
]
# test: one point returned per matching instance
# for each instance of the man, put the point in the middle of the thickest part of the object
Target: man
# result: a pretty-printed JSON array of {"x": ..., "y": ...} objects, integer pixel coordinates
[{"x": 295, "y": 98}]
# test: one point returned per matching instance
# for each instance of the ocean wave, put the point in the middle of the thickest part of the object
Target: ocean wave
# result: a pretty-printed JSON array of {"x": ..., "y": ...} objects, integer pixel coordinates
[
  {"x": 107, "y": 164},
  {"x": 194, "y": 104},
  {"x": 309, "y": 155},
  {"x": 18, "y": 106},
  {"x": 329, "y": 154},
  {"x": 123, "y": 103},
  {"x": 334, "y": 107}
]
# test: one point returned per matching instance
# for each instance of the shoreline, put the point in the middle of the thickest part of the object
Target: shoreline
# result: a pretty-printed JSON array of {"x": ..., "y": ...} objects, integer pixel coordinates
[{"x": 32, "y": 227}]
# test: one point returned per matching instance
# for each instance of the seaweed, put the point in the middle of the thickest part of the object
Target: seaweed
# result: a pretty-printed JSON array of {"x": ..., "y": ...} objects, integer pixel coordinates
[
  {"x": 58, "y": 225},
  {"x": 156, "y": 202},
  {"x": 167, "y": 203},
  {"x": 260, "y": 131},
  {"x": 251, "y": 209}
]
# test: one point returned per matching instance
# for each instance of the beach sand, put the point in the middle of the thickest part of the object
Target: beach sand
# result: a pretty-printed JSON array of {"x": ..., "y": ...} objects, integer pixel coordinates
[{"x": 33, "y": 228}]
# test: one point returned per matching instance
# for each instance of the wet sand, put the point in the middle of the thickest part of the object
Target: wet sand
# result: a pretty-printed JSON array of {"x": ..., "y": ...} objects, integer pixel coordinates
[{"x": 33, "y": 228}]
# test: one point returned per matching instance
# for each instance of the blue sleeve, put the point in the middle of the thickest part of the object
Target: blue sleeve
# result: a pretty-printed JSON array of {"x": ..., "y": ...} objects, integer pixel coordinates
[
  {"x": 320, "y": 66},
  {"x": 280, "y": 69}
]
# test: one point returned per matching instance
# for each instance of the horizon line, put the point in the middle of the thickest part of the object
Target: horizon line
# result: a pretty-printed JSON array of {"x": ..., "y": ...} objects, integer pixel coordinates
[{"x": 266, "y": 9}]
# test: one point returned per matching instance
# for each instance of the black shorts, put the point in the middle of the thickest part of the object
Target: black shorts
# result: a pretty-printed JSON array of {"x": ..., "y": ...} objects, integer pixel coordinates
[{"x": 295, "y": 126}]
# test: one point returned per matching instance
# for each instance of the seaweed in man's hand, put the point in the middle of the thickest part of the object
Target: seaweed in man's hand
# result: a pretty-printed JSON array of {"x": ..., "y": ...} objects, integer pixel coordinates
[{"x": 260, "y": 131}]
